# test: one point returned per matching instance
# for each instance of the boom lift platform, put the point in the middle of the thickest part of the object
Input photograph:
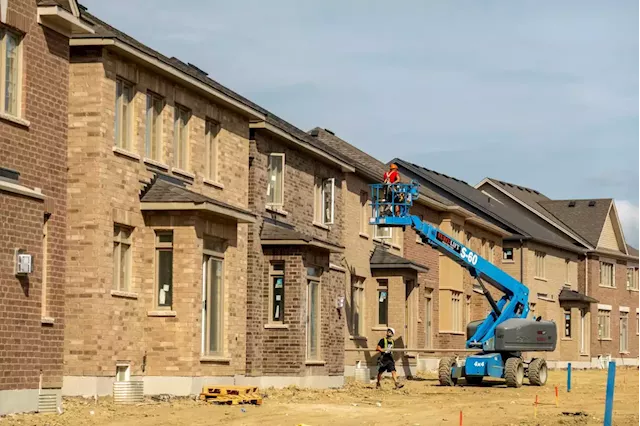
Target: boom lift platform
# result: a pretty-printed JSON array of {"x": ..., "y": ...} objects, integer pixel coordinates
[{"x": 506, "y": 332}]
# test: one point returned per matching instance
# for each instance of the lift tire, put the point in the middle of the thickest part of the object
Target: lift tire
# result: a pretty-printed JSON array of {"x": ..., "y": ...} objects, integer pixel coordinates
[
  {"x": 474, "y": 380},
  {"x": 514, "y": 372},
  {"x": 444, "y": 371},
  {"x": 538, "y": 372}
]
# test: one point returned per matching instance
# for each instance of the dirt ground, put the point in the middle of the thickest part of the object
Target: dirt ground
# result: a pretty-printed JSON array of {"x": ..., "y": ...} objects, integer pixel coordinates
[{"x": 421, "y": 402}]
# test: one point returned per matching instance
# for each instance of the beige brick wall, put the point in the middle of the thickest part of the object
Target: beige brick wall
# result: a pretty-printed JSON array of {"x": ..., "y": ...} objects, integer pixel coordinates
[{"x": 104, "y": 188}]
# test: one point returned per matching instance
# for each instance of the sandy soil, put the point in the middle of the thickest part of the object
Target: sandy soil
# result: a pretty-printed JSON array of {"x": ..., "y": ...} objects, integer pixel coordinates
[{"x": 421, "y": 402}]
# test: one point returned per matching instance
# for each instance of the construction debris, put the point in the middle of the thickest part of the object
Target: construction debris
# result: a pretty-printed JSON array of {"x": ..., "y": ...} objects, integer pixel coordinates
[{"x": 231, "y": 395}]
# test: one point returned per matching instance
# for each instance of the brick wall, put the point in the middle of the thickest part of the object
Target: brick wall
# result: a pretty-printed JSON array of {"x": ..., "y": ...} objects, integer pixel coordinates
[
  {"x": 276, "y": 349},
  {"x": 38, "y": 152},
  {"x": 104, "y": 189}
]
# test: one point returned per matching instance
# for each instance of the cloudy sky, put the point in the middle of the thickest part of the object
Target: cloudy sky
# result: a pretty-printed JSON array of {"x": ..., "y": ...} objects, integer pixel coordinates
[{"x": 543, "y": 94}]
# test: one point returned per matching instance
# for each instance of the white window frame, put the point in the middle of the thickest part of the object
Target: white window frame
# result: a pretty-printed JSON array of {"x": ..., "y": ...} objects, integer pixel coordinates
[
  {"x": 18, "y": 71},
  {"x": 540, "y": 266},
  {"x": 564, "y": 323},
  {"x": 604, "y": 322},
  {"x": 382, "y": 286},
  {"x": 213, "y": 253},
  {"x": 212, "y": 148},
  {"x": 365, "y": 214},
  {"x": 378, "y": 236},
  {"x": 357, "y": 306},
  {"x": 612, "y": 275},
  {"x": 123, "y": 122},
  {"x": 155, "y": 105},
  {"x": 123, "y": 371},
  {"x": 624, "y": 339},
  {"x": 121, "y": 238},
  {"x": 314, "y": 279},
  {"x": 332, "y": 187},
  {"x": 275, "y": 274},
  {"x": 456, "y": 311},
  {"x": 633, "y": 283},
  {"x": 181, "y": 120},
  {"x": 45, "y": 266},
  {"x": 280, "y": 183},
  {"x": 584, "y": 332},
  {"x": 163, "y": 246}
]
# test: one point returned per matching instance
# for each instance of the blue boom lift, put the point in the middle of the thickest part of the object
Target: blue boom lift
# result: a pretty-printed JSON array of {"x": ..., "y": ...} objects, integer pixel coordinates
[{"x": 506, "y": 332}]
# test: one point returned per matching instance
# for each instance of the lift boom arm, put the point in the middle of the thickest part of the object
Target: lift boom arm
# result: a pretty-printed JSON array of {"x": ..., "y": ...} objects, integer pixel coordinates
[{"x": 515, "y": 301}]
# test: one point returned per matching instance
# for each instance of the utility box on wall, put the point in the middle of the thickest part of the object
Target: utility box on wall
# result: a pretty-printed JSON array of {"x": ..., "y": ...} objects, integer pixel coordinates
[{"x": 23, "y": 264}]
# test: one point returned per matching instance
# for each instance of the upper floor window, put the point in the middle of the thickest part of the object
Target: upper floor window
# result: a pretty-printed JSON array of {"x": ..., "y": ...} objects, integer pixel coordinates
[
  {"x": 607, "y": 276},
  {"x": 567, "y": 272},
  {"x": 324, "y": 201},
  {"x": 122, "y": 258},
  {"x": 181, "y": 137},
  {"x": 632, "y": 278},
  {"x": 10, "y": 68},
  {"x": 365, "y": 213},
  {"x": 540, "y": 266},
  {"x": 383, "y": 232},
  {"x": 124, "y": 113},
  {"x": 153, "y": 136},
  {"x": 212, "y": 131},
  {"x": 275, "y": 176},
  {"x": 507, "y": 254}
]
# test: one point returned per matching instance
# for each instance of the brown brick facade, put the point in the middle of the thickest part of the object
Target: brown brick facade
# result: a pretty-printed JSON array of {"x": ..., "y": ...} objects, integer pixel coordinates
[{"x": 34, "y": 145}]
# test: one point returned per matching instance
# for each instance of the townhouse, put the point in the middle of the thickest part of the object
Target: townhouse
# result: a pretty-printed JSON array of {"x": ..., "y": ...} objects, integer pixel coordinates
[
  {"x": 607, "y": 272},
  {"x": 34, "y": 70},
  {"x": 295, "y": 278},
  {"x": 543, "y": 260}
]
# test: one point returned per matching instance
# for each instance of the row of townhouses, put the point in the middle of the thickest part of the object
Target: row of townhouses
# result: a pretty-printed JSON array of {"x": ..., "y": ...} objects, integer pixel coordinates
[{"x": 159, "y": 227}]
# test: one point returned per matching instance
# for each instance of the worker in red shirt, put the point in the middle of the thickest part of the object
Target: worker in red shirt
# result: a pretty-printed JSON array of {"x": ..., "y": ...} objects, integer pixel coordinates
[{"x": 391, "y": 177}]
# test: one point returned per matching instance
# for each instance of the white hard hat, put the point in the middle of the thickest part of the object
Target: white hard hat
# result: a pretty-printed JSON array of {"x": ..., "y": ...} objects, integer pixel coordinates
[{"x": 392, "y": 330}]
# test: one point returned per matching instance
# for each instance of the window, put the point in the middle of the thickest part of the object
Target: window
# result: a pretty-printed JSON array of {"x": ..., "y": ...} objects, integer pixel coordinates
[
  {"x": 10, "y": 68},
  {"x": 624, "y": 332},
  {"x": 213, "y": 297},
  {"x": 123, "y": 373},
  {"x": 164, "y": 269},
  {"x": 383, "y": 302},
  {"x": 567, "y": 323},
  {"x": 456, "y": 311},
  {"x": 277, "y": 291},
  {"x": 275, "y": 184},
  {"x": 212, "y": 130},
  {"x": 313, "y": 313},
  {"x": 604, "y": 324},
  {"x": 532, "y": 310},
  {"x": 632, "y": 279},
  {"x": 124, "y": 114},
  {"x": 467, "y": 317},
  {"x": 365, "y": 213},
  {"x": 637, "y": 322},
  {"x": 45, "y": 265},
  {"x": 357, "y": 305},
  {"x": 383, "y": 232},
  {"x": 324, "y": 201},
  {"x": 567, "y": 272},
  {"x": 181, "y": 137},
  {"x": 507, "y": 254},
  {"x": 540, "y": 267},
  {"x": 153, "y": 127},
  {"x": 121, "y": 258},
  {"x": 584, "y": 332},
  {"x": 492, "y": 252},
  {"x": 607, "y": 275}
]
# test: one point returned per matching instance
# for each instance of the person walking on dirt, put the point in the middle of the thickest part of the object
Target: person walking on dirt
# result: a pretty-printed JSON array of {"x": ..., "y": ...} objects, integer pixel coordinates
[{"x": 385, "y": 361}]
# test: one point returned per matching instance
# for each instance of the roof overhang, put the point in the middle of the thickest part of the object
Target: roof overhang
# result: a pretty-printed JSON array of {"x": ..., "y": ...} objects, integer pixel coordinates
[
  {"x": 396, "y": 266},
  {"x": 299, "y": 242},
  {"x": 572, "y": 296},
  {"x": 546, "y": 243},
  {"x": 216, "y": 210},
  {"x": 612, "y": 254},
  {"x": 263, "y": 125},
  {"x": 61, "y": 21},
  {"x": 170, "y": 72}
]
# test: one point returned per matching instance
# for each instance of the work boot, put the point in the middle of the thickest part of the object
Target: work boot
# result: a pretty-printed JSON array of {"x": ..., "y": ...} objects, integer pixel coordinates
[
  {"x": 399, "y": 385},
  {"x": 378, "y": 385}
]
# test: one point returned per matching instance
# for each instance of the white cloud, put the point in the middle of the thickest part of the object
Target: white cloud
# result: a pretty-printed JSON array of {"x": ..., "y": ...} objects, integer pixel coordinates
[{"x": 629, "y": 216}]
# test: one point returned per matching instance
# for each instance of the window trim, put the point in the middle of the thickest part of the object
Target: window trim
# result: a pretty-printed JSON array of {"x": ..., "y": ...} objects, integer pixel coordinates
[
  {"x": 216, "y": 256},
  {"x": 623, "y": 315},
  {"x": 316, "y": 280},
  {"x": 151, "y": 99},
  {"x": 272, "y": 274},
  {"x": 44, "y": 308},
  {"x": 181, "y": 162},
  {"x": 212, "y": 150},
  {"x": 19, "y": 72},
  {"x": 456, "y": 314},
  {"x": 570, "y": 323},
  {"x": 162, "y": 246},
  {"x": 378, "y": 237},
  {"x": 601, "y": 336},
  {"x": 117, "y": 239},
  {"x": 331, "y": 221},
  {"x": 276, "y": 203},
  {"x": 543, "y": 256},
  {"x": 357, "y": 288},
  {"x": 504, "y": 253},
  {"x": 613, "y": 274},
  {"x": 126, "y": 143},
  {"x": 382, "y": 284}
]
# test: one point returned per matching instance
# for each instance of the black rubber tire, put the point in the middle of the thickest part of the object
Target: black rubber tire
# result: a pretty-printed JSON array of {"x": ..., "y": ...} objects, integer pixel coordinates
[
  {"x": 514, "y": 372},
  {"x": 473, "y": 380},
  {"x": 444, "y": 371},
  {"x": 538, "y": 372}
]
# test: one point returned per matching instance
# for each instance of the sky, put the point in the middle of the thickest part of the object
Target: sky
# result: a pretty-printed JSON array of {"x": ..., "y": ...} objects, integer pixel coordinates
[{"x": 542, "y": 94}]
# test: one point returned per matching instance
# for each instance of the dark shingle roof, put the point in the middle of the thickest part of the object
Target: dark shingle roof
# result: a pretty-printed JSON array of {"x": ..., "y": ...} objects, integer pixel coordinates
[
  {"x": 167, "y": 189},
  {"x": 500, "y": 214},
  {"x": 276, "y": 230},
  {"x": 104, "y": 30},
  {"x": 364, "y": 163},
  {"x": 62, "y": 3},
  {"x": 382, "y": 259},
  {"x": 632, "y": 251},
  {"x": 585, "y": 220},
  {"x": 568, "y": 295}
]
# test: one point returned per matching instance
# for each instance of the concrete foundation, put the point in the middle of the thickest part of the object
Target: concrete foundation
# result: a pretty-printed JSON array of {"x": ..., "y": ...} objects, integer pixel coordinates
[
  {"x": 184, "y": 386},
  {"x": 18, "y": 401}
]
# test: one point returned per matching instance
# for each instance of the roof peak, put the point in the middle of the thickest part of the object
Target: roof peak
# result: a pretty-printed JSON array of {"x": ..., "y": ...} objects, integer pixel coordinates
[{"x": 514, "y": 185}]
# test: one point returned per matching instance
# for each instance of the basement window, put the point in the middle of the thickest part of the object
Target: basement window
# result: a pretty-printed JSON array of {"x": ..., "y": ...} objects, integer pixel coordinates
[{"x": 123, "y": 373}]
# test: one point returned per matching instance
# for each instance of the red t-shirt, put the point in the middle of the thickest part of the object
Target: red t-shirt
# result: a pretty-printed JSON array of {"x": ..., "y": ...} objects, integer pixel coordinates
[{"x": 393, "y": 176}]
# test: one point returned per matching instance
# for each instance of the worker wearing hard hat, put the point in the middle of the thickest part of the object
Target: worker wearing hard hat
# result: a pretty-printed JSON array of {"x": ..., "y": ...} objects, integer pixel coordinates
[
  {"x": 390, "y": 177},
  {"x": 386, "y": 361}
]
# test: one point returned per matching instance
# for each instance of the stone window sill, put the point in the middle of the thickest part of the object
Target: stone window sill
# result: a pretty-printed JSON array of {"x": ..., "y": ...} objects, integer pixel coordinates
[
  {"x": 508, "y": 261},
  {"x": 363, "y": 235},
  {"x": 213, "y": 183},
  {"x": 546, "y": 299},
  {"x": 625, "y": 353},
  {"x": 357, "y": 338},
  {"x": 634, "y": 289},
  {"x": 314, "y": 362},
  {"x": 541, "y": 279},
  {"x": 335, "y": 267},
  {"x": 13, "y": 119},
  {"x": 162, "y": 313},
  {"x": 215, "y": 359},
  {"x": 606, "y": 286},
  {"x": 277, "y": 210},
  {"x": 320, "y": 225},
  {"x": 16, "y": 188},
  {"x": 395, "y": 246},
  {"x": 47, "y": 320},
  {"x": 456, "y": 333},
  {"x": 183, "y": 173},
  {"x": 155, "y": 163},
  {"x": 584, "y": 354},
  {"x": 566, "y": 339},
  {"x": 277, "y": 326},
  {"x": 126, "y": 153},
  {"x": 380, "y": 328},
  {"x": 608, "y": 339},
  {"x": 124, "y": 294}
]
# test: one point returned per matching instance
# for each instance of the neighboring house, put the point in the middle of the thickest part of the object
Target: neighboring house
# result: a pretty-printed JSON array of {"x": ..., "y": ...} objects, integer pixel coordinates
[
  {"x": 158, "y": 189},
  {"x": 545, "y": 261},
  {"x": 34, "y": 92},
  {"x": 295, "y": 285},
  {"x": 608, "y": 273}
]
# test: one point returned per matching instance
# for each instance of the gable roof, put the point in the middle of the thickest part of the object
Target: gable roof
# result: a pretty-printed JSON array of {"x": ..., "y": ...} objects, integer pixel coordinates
[
  {"x": 104, "y": 31},
  {"x": 632, "y": 251},
  {"x": 382, "y": 259},
  {"x": 530, "y": 199},
  {"x": 505, "y": 216},
  {"x": 364, "y": 163},
  {"x": 586, "y": 220}
]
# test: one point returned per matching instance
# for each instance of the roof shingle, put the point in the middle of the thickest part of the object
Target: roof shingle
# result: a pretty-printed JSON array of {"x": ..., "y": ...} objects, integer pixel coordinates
[
  {"x": 584, "y": 219},
  {"x": 381, "y": 258}
]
